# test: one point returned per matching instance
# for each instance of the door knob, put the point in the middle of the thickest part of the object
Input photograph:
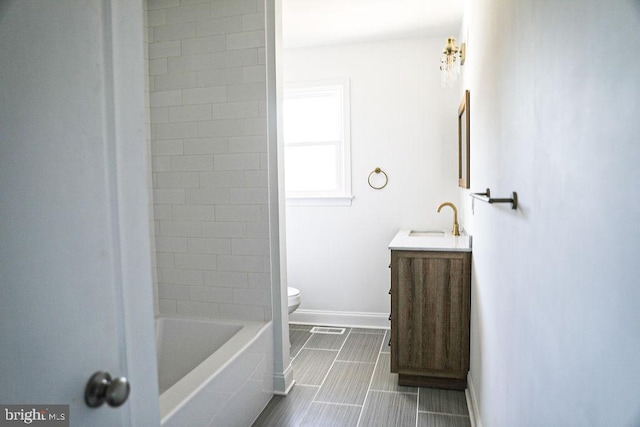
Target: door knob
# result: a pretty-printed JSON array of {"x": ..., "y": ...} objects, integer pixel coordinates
[{"x": 101, "y": 388}]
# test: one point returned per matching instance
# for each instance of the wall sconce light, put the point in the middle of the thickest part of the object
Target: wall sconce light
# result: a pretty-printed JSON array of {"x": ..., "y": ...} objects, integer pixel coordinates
[{"x": 452, "y": 58}]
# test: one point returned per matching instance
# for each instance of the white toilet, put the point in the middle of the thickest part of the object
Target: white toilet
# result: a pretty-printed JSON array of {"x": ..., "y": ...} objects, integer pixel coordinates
[{"x": 294, "y": 298}]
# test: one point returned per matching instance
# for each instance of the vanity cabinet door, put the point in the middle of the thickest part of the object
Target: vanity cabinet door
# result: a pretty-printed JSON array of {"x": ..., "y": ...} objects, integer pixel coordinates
[{"x": 430, "y": 298}]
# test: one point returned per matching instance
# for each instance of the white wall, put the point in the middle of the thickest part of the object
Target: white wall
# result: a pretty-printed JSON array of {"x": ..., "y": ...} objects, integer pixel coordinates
[
  {"x": 402, "y": 121},
  {"x": 554, "y": 116},
  {"x": 209, "y": 157}
]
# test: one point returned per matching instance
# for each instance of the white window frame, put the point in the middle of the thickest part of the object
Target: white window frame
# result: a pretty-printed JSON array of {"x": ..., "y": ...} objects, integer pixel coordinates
[{"x": 342, "y": 196}]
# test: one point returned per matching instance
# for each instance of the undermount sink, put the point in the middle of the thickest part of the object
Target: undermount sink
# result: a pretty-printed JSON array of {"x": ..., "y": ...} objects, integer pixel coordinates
[{"x": 427, "y": 233}]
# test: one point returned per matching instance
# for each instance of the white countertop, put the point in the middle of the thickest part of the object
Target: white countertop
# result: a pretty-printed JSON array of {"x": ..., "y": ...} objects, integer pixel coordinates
[{"x": 446, "y": 242}]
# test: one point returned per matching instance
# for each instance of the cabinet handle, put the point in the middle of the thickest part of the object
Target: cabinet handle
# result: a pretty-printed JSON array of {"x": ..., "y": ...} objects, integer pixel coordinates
[
  {"x": 389, "y": 291},
  {"x": 389, "y": 265},
  {"x": 389, "y": 316},
  {"x": 389, "y": 342}
]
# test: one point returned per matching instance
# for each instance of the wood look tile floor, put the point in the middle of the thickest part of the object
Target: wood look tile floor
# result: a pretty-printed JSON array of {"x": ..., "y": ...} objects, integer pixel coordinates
[{"x": 344, "y": 381}]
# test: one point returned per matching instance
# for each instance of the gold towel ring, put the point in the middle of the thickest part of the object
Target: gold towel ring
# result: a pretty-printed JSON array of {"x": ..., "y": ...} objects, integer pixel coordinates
[{"x": 376, "y": 171}]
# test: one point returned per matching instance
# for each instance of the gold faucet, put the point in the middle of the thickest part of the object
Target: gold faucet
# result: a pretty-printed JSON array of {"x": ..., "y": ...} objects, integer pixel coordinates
[{"x": 456, "y": 229}]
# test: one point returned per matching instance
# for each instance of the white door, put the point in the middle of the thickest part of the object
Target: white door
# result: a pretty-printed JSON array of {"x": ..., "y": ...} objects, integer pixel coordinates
[{"x": 75, "y": 280}]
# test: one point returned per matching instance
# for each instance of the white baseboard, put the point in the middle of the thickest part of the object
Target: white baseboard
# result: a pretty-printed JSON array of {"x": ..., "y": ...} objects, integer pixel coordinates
[
  {"x": 283, "y": 382},
  {"x": 472, "y": 402},
  {"x": 341, "y": 318}
]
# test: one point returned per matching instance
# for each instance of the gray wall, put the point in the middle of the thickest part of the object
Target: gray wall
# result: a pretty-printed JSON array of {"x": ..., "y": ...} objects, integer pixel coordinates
[{"x": 554, "y": 116}]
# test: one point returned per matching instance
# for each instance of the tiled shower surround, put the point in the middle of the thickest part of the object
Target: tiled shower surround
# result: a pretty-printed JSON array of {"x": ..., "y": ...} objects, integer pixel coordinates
[{"x": 207, "y": 89}]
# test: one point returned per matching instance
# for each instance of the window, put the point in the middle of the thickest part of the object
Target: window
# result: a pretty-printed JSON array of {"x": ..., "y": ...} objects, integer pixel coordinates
[{"x": 317, "y": 145}]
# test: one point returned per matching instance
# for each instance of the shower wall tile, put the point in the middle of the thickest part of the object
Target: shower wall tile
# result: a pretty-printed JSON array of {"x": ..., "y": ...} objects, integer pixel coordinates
[{"x": 208, "y": 145}]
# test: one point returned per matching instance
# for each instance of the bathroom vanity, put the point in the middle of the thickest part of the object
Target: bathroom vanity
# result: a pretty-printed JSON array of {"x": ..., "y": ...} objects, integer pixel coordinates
[{"x": 430, "y": 308}]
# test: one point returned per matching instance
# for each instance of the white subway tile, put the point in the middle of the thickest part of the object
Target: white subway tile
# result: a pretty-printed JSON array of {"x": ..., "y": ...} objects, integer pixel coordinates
[
  {"x": 178, "y": 180},
  {"x": 264, "y": 161},
  {"x": 189, "y": 62},
  {"x": 166, "y": 147},
  {"x": 204, "y": 95},
  {"x": 245, "y": 40},
  {"x": 235, "y": 58},
  {"x": 180, "y": 229},
  {"x": 184, "y": 277},
  {"x": 224, "y": 229},
  {"x": 262, "y": 56},
  {"x": 208, "y": 196},
  {"x": 183, "y": 80},
  {"x": 248, "y": 196},
  {"x": 226, "y": 279},
  {"x": 243, "y": 161},
  {"x": 218, "y": 128},
  {"x": 253, "y": 21},
  {"x": 259, "y": 280},
  {"x": 250, "y": 247},
  {"x": 173, "y": 291},
  {"x": 191, "y": 163},
  {"x": 177, "y": 31},
  {"x": 220, "y": 77},
  {"x": 238, "y": 263},
  {"x": 190, "y": 113},
  {"x": 195, "y": 12},
  {"x": 254, "y": 74},
  {"x": 252, "y": 296},
  {"x": 202, "y": 45},
  {"x": 192, "y": 212},
  {"x": 165, "y": 98},
  {"x": 256, "y": 178},
  {"x": 231, "y": 24},
  {"x": 246, "y": 92},
  {"x": 159, "y": 115},
  {"x": 209, "y": 246},
  {"x": 160, "y": 4},
  {"x": 158, "y": 66},
  {"x": 169, "y": 196},
  {"x": 222, "y": 179},
  {"x": 197, "y": 309},
  {"x": 156, "y": 17},
  {"x": 161, "y": 163},
  {"x": 241, "y": 312},
  {"x": 255, "y": 126},
  {"x": 248, "y": 144},
  {"x": 162, "y": 213},
  {"x": 164, "y": 260},
  {"x": 236, "y": 110},
  {"x": 242, "y": 213},
  {"x": 258, "y": 230},
  {"x": 166, "y": 306},
  {"x": 221, "y": 8},
  {"x": 164, "y": 49},
  {"x": 209, "y": 294},
  {"x": 206, "y": 145},
  {"x": 175, "y": 130},
  {"x": 196, "y": 261},
  {"x": 171, "y": 244}
]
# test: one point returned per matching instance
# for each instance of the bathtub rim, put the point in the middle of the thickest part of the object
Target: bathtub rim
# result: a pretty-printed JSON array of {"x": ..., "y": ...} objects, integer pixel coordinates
[{"x": 176, "y": 396}]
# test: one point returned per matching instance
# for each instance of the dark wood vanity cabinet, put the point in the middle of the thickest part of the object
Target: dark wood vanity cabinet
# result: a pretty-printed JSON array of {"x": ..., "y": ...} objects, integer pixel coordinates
[{"x": 430, "y": 311}]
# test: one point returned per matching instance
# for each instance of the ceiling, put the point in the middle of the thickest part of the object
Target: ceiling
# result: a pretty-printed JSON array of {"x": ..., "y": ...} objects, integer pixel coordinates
[{"x": 326, "y": 22}]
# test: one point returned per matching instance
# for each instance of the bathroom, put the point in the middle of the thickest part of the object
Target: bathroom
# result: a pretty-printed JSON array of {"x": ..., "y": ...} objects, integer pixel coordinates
[{"x": 554, "y": 333}]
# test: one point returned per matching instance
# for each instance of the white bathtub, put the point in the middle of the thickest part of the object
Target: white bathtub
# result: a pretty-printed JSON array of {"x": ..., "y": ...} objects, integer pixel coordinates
[{"x": 213, "y": 372}]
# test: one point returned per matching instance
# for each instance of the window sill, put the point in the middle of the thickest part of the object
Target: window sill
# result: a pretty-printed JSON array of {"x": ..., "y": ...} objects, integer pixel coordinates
[{"x": 319, "y": 201}]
